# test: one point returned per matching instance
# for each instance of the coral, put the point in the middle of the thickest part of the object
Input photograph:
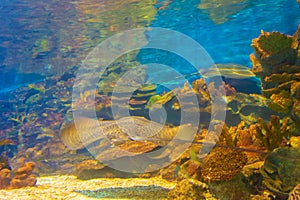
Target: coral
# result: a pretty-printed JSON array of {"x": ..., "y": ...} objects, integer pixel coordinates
[
  {"x": 281, "y": 102},
  {"x": 237, "y": 136},
  {"x": 281, "y": 171},
  {"x": 278, "y": 65},
  {"x": 295, "y": 193},
  {"x": 295, "y": 93},
  {"x": 200, "y": 88},
  {"x": 189, "y": 189},
  {"x": 19, "y": 177},
  {"x": 271, "y": 43},
  {"x": 140, "y": 100},
  {"x": 273, "y": 133},
  {"x": 222, "y": 164},
  {"x": 295, "y": 141},
  {"x": 23, "y": 176},
  {"x": 274, "y": 50},
  {"x": 5, "y": 178}
]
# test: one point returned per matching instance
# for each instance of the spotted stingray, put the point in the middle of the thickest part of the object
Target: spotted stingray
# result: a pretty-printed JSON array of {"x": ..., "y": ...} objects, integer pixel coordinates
[{"x": 85, "y": 131}]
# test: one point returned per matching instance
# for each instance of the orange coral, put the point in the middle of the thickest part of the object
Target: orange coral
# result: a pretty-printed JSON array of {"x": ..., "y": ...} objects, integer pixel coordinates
[
  {"x": 23, "y": 176},
  {"x": 20, "y": 177}
]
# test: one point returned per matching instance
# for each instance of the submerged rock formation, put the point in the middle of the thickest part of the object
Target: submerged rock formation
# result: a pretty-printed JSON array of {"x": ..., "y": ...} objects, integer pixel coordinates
[
  {"x": 281, "y": 171},
  {"x": 277, "y": 63}
]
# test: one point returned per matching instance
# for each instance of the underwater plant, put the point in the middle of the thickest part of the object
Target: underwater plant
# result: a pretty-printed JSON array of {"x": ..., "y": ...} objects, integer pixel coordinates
[{"x": 24, "y": 120}]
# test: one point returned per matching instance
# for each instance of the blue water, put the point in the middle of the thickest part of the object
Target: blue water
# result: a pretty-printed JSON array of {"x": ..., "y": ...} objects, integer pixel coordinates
[
  {"x": 230, "y": 42},
  {"x": 22, "y": 22}
]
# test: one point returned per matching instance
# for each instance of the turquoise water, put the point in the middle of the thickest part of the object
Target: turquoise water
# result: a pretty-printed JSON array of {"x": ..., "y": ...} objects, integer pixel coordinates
[
  {"x": 68, "y": 36},
  {"x": 229, "y": 42}
]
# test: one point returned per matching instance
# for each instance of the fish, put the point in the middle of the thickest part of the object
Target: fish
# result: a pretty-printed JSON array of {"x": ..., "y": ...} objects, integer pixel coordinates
[
  {"x": 73, "y": 133},
  {"x": 84, "y": 131},
  {"x": 238, "y": 76},
  {"x": 6, "y": 142},
  {"x": 87, "y": 131}
]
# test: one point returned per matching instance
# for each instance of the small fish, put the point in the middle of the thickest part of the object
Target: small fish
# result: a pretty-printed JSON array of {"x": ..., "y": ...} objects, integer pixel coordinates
[
  {"x": 160, "y": 99},
  {"x": 176, "y": 171},
  {"x": 194, "y": 156},
  {"x": 6, "y": 142}
]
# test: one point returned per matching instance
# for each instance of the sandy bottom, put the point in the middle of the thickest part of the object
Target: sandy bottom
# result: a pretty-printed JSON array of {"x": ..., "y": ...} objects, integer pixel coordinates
[{"x": 69, "y": 187}]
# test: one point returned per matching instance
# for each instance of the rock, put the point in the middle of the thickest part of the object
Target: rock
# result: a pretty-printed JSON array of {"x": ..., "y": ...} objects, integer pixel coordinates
[
  {"x": 189, "y": 189},
  {"x": 235, "y": 189},
  {"x": 253, "y": 175},
  {"x": 25, "y": 170},
  {"x": 281, "y": 171},
  {"x": 4, "y": 163}
]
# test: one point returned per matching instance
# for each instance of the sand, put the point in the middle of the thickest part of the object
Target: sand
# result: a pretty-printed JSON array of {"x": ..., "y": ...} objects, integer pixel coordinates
[{"x": 69, "y": 187}]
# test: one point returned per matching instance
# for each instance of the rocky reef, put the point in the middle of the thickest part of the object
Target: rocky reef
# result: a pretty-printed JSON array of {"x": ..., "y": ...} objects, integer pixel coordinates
[
  {"x": 281, "y": 171},
  {"x": 277, "y": 63},
  {"x": 17, "y": 178}
]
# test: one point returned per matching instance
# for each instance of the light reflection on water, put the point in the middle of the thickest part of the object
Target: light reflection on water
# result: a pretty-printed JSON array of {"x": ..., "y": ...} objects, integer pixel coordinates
[{"x": 35, "y": 34}]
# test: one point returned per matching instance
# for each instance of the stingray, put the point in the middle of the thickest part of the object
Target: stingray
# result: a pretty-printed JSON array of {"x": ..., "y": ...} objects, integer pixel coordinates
[{"x": 85, "y": 131}]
